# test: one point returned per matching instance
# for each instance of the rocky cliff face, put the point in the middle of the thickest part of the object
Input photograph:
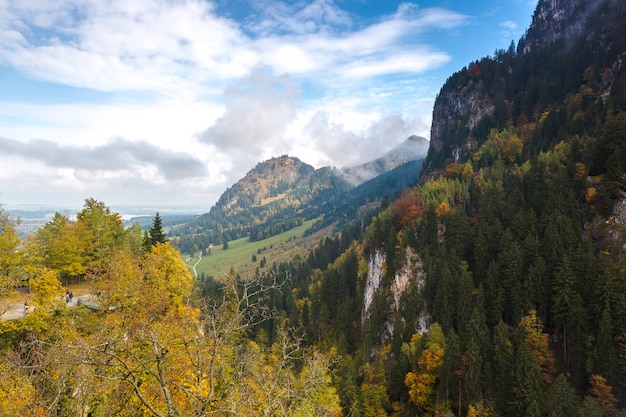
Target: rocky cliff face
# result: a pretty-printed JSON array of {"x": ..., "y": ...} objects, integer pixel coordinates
[
  {"x": 501, "y": 90},
  {"x": 411, "y": 273},
  {"x": 554, "y": 19},
  {"x": 453, "y": 106}
]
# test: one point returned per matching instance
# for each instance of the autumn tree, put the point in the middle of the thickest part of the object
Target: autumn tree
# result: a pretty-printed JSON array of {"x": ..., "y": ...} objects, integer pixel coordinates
[
  {"x": 407, "y": 209},
  {"x": 539, "y": 345},
  {"x": 46, "y": 289},
  {"x": 603, "y": 395},
  {"x": 442, "y": 209},
  {"x": 422, "y": 381},
  {"x": 151, "y": 350},
  {"x": 101, "y": 230},
  {"x": 10, "y": 261},
  {"x": 17, "y": 392},
  {"x": 59, "y": 245}
]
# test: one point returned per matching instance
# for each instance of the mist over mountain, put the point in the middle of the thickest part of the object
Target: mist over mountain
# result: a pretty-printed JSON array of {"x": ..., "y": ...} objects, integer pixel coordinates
[{"x": 412, "y": 149}]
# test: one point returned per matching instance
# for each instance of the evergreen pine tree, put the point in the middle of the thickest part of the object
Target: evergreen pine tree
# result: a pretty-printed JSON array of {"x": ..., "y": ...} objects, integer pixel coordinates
[
  {"x": 608, "y": 360},
  {"x": 563, "y": 398},
  {"x": 503, "y": 360},
  {"x": 156, "y": 233},
  {"x": 526, "y": 379}
]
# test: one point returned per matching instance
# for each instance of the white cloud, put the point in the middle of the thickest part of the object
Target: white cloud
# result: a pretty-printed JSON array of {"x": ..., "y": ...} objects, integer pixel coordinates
[
  {"x": 509, "y": 25},
  {"x": 346, "y": 147},
  {"x": 198, "y": 97},
  {"x": 119, "y": 45},
  {"x": 170, "y": 124},
  {"x": 418, "y": 60},
  {"x": 510, "y": 30},
  {"x": 275, "y": 17},
  {"x": 258, "y": 111},
  {"x": 177, "y": 47},
  {"x": 118, "y": 155}
]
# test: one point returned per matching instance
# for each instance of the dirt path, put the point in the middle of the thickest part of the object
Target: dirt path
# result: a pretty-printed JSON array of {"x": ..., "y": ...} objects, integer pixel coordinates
[
  {"x": 193, "y": 267},
  {"x": 18, "y": 310}
]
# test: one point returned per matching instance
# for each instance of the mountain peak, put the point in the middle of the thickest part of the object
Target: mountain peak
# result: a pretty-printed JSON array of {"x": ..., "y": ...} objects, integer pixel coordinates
[
  {"x": 267, "y": 180},
  {"x": 412, "y": 149},
  {"x": 554, "y": 19}
]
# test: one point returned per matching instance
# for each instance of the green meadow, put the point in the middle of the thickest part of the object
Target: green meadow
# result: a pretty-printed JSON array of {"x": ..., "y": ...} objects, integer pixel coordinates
[{"x": 240, "y": 252}]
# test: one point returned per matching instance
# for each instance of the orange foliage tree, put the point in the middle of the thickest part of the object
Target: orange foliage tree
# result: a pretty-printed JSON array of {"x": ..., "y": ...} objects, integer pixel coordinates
[
  {"x": 603, "y": 395},
  {"x": 407, "y": 209},
  {"x": 442, "y": 209}
]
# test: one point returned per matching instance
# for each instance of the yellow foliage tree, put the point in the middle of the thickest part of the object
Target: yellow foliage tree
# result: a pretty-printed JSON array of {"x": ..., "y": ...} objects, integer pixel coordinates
[
  {"x": 166, "y": 275},
  {"x": 513, "y": 148},
  {"x": 580, "y": 171},
  {"x": 539, "y": 345},
  {"x": 60, "y": 247},
  {"x": 422, "y": 383},
  {"x": 374, "y": 392},
  {"x": 10, "y": 262},
  {"x": 591, "y": 194},
  {"x": 17, "y": 393},
  {"x": 468, "y": 170},
  {"x": 47, "y": 290},
  {"x": 442, "y": 209},
  {"x": 603, "y": 395}
]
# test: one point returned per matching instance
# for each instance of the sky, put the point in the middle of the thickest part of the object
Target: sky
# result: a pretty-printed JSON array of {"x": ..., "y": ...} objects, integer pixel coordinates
[{"x": 169, "y": 102}]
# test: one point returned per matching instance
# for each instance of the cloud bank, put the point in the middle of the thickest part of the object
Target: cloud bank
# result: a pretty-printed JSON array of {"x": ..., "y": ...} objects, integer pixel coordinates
[
  {"x": 117, "y": 155},
  {"x": 182, "y": 97}
]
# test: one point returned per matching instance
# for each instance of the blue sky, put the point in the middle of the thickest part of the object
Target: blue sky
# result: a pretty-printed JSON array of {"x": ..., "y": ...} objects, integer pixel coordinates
[{"x": 169, "y": 102}]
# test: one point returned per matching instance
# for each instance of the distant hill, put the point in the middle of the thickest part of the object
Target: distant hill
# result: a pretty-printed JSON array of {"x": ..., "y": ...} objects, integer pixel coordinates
[
  {"x": 269, "y": 199},
  {"x": 281, "y": 193}
]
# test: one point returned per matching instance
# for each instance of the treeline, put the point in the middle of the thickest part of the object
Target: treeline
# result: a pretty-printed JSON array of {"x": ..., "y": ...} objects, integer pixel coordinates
[{"x": 264, "y": 231}]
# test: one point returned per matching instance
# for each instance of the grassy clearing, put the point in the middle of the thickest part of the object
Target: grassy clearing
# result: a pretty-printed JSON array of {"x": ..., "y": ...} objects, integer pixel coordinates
[{"x": 238, "y": 256}]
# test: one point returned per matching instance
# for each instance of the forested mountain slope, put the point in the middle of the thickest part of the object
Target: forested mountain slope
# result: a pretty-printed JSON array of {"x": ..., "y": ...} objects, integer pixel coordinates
[
  {"x": 271, "y": 198},
  {"x": 280, "y": 193},
  {"x": 497, "y": 286}
]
